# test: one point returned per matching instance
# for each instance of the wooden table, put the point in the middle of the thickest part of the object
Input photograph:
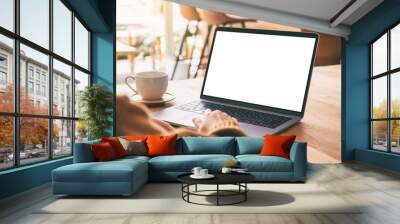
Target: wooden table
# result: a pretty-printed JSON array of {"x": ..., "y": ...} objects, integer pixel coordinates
[{"x": 320, "y": 127}]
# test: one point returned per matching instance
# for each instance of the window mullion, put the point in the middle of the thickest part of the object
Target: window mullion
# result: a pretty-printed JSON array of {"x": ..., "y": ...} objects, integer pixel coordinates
[
  {"x": 371, "y": 137},
  {"x": 50, "y": 81},
  {"x": 73, "y": 82},
  {"x": 389, "y": 101},
  {"x": 16, "y": 85}
]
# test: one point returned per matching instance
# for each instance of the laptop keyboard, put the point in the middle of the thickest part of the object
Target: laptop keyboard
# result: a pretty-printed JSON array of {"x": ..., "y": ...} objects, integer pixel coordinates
[{"x": 242, "y": 115}]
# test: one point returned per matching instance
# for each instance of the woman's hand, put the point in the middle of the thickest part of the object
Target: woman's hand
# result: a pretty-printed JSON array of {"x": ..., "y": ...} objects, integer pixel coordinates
[{"x": 214, "y": 120}]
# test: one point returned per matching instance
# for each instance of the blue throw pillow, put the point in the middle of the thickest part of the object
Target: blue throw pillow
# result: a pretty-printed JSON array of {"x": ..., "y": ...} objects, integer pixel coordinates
[
  {"x": 208, "y": 145},
  {"x": 249, "y": 145}
]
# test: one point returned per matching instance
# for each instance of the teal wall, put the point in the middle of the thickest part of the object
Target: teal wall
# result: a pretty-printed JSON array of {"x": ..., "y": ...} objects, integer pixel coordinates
[
  {"x": 380, "y": 159},
  {"x": 100, "y": 16},
  {"x": 102, "y": 59},
  {"x": 103, "y": 51},
  {"x": 356, "y": 85},
  {"x": 24, "y": 178},
  {"x": 103, "y": 64}
]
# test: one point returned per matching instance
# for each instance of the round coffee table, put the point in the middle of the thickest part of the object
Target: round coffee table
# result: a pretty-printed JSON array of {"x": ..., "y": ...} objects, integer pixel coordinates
[{"x": 238, "y": 179}]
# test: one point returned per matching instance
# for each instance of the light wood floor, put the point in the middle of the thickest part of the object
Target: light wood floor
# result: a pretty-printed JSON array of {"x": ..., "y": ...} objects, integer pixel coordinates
[{"x": 378, "y": 189}]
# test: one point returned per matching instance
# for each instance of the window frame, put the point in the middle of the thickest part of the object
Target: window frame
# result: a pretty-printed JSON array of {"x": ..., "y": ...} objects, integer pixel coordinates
[
  {"x": 3, "y": 71},
  {"x": 388, "y": 74},
  {"x": 16, "y": 115}
]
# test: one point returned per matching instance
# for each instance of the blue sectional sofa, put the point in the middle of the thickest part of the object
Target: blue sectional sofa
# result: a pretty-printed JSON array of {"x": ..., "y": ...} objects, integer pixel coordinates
[{"x": 125, "y": 176}]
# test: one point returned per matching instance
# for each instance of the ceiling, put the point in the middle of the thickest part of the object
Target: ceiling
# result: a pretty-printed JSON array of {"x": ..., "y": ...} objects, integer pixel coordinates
[
  {"x": 333, "y": 17},
  {"x": 321, "y": 9}
]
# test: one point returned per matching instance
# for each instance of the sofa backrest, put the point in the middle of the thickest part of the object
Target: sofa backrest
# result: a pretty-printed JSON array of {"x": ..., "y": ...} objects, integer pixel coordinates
[
  {"x": 249, "y": 145},
  {"x": 83, "y": 152},
  {"x": 191, "y": 146},
  {"x": 206, "y": 145}
]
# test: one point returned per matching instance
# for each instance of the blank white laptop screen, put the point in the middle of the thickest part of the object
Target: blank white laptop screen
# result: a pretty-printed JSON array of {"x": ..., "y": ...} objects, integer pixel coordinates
[{"x": 263, "y": 69}]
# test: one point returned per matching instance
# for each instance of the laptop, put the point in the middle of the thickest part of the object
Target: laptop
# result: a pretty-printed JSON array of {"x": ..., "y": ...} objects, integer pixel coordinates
[{"x": 260, "y": 77}]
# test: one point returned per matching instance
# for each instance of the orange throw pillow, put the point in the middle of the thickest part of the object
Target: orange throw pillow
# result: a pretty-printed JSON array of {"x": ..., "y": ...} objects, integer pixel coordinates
[
  {"x": 275, "y": 145},
  {"x": 161, "y": 145},
  {"x": 116, "y": 145},
  {"x": 135, "y": 137},
  {"x": 103, "y": 152}
]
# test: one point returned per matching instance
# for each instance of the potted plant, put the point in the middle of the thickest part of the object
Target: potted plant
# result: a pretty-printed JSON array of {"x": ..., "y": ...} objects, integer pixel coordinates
[{"x": 96, "y": 102}]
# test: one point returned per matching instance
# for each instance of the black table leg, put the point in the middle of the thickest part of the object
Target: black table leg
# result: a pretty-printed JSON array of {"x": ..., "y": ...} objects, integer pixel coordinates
[
  {"x": 182, "y": 190},
  {"x": 217, "y": 194},
  {"x": 220, "y": 193},
  {"x": 188, "y": 190},
  {"x": 245, "y": 193}
]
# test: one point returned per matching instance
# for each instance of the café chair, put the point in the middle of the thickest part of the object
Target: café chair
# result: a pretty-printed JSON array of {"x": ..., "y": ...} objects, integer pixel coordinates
[{"x": 191, "y": 15}]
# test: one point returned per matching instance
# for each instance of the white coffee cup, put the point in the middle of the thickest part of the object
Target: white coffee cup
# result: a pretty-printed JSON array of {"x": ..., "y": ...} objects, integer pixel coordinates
[
  {"x": 196, "y": 171},
  {"x": 150, "y": 85},
  {"x": 203, "y": 172},
  {"x": 226, "y": 170}
]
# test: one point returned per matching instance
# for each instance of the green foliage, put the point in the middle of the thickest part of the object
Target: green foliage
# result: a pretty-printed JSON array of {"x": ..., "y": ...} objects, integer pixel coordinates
[{"x": 96, "y": 102}]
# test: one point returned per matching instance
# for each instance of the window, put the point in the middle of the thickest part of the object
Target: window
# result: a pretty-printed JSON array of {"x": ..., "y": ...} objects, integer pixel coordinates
[
  {"x": 40, "y": 124},
  {"x": 3, "y": 81},
  {"x": 37, "y": 74},
  {"x": 33, "y": 143},
  {"x": 3, "y": 72},
  {"x": 34, "y": 21},
  {"x": 30, "y": 72},
  {"x": 7, "y": 14},
  {"x": 30, "y": 87},
  {"x": 44, "y": 91},
  {"x": 62, "y": 137},
  {"x": 3, "y": 61},
  {"x": 37, "y": 89},
  {"x": 395, "y": 46},
  {"x": 3, "y": 78},
  {"x": 385, "y": 91},
  {"x": 81, "y": 45},
  {"x": 62, "y": 29},
  {"x": 6, "y": 73},
  {"x": 6, "y": 142},
  {"x": 81, "y": 81},
  {"x": 62, "y": 74}
]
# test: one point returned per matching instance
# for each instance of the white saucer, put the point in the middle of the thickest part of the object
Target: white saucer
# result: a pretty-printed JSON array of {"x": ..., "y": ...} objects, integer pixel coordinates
[
  {"x": 167, "y": 97},
  {"x": 208, "y": 176}
]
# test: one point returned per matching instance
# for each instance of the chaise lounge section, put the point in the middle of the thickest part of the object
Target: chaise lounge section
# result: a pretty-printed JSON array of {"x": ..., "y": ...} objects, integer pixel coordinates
[{"x": 125, "y": 176}]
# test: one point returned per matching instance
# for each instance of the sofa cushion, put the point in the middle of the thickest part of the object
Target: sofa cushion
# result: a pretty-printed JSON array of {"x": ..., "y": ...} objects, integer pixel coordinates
[
  {"x": 112, "y": 171},
  {"x": 208, "y": 145},
  {"x": 257, "y": 163},
  {"x": 133, "y": 158},
  {"x": 185, "y": 163},
  {"x": 249, "y": 145}
]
